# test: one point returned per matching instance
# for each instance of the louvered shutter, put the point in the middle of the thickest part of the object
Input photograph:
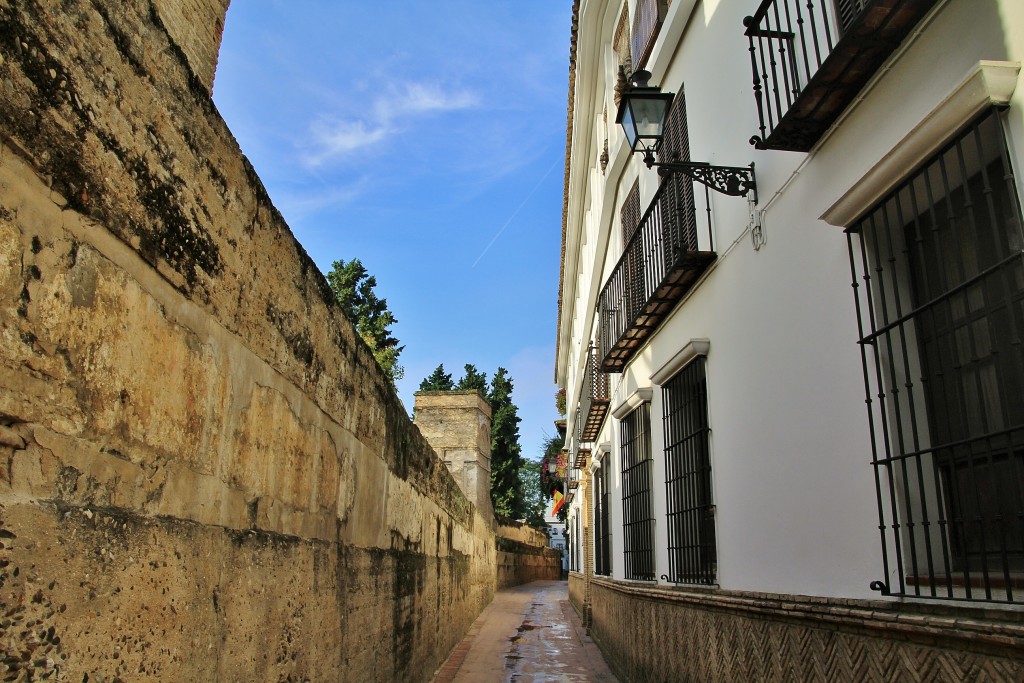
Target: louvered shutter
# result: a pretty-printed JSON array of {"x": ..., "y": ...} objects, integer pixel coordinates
[
  {"x": 675, "y": 145},
  {"x": 847, "y": 11},
  {"x": 679, "y": 218},
  {"x": 646, "y": 23},
  {"x": 629, "y": 214}
]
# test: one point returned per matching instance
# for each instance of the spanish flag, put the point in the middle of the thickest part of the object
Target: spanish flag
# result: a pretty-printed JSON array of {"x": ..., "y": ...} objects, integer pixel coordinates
[{"x": 559, "y": 499}]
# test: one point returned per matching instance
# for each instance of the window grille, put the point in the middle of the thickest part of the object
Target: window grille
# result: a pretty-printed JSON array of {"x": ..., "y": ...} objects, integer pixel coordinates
[
  {"x": 637, "y": 517},
  {"x": 690, "y": 512},
  {"x": 602, "y": 537},
  {"x": 939, "y": 284},
  {"x": 574, "y": 545}
]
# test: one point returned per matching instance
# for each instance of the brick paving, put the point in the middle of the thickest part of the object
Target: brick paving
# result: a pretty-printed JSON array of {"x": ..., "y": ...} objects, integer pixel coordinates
[{"x": 528, "y": 634}]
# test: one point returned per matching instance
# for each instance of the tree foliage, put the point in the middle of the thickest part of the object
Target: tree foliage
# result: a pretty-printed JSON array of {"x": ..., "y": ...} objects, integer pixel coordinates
[
  {"x": 439, "y": 380},
  {"x": 353, "y": 288},
  {"x": 506, "y": 460},
  {"x": 534, "y": 501},
  {"x": 473, "y": 379}
]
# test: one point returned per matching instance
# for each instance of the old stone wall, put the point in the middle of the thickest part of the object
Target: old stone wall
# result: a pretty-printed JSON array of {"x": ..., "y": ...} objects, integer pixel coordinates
[
  {"x": 713, "y": 635},
  {"x": 203, "y": 474},
  {"x": 522, "y": 532},
  {"x": 520, "y": 563}
]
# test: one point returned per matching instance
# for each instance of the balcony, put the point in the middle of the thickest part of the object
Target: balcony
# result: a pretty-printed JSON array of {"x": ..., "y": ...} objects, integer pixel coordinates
[
  {"x": 811, "y": 58},
  {"x": 580, "y": 447},
  {"x": 660, "y": 264},
  {"x": 594, "y": 400}
]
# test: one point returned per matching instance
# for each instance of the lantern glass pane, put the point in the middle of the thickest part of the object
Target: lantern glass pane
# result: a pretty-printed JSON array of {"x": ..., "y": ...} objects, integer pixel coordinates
[
  {"x": 649, "y": 115},
  {"x": 628, "y": 127}
]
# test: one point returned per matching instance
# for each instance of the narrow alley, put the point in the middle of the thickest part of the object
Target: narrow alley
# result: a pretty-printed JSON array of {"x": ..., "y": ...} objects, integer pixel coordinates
[{"x": 528, "y": 634}]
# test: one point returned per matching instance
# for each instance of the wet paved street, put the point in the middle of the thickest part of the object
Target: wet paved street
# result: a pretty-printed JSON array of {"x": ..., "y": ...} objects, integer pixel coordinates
[{"x": 528, "y": 634}]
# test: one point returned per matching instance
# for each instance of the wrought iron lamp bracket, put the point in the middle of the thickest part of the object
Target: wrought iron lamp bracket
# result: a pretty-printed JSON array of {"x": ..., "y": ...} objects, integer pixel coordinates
[{"x": 735, "y": 181}]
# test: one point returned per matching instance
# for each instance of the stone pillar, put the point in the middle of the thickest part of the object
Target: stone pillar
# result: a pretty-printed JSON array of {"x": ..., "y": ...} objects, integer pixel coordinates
[{"x": 457, "y": 424}]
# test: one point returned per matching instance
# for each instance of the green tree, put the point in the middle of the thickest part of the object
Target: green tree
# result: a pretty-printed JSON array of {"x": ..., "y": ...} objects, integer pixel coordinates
[
  {"x": 507, "y": 485},
  {"x": 439, "y": 380},
  {"x": 534, "y": 500},
  {"x": 473, "y": 379},
  {"x": 506, "y": 460},
  {"x": 353, "y": 288}
]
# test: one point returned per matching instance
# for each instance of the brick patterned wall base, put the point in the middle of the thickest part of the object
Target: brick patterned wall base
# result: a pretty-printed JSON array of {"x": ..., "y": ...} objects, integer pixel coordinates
[{"x": 654, "y": 634}]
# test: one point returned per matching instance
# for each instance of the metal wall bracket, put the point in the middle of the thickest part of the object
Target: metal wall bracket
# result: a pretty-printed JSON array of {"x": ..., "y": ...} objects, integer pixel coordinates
[{"x": 735, "y": 181}]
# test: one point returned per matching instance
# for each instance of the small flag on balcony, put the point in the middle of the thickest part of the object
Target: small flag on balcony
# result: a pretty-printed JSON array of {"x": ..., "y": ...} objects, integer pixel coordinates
[{"x": 559, "y": 499}]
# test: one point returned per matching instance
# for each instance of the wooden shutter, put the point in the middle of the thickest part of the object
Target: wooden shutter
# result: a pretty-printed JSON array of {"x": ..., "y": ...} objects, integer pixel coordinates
[
  {"x": 846, "y": 12},
  {"x": 646, "y": 23},
  {"x": 679, "y": 221},
  {"x": 675, "y": 145},
  {"x": 629, "y": 214}
]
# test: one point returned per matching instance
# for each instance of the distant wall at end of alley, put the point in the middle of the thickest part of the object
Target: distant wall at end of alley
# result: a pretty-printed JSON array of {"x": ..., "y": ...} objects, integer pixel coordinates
[{"x": 524, "y": 555}]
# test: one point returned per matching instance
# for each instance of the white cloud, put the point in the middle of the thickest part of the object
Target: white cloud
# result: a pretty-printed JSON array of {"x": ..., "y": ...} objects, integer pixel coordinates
[
  {"x": 333, "y": 137},
  {"x": 298, "y": 205},
  {"x": 415, "y": 98}
]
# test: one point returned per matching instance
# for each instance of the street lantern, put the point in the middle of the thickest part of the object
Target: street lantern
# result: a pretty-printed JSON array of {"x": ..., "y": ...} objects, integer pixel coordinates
[{"x": 643, "y": 111}]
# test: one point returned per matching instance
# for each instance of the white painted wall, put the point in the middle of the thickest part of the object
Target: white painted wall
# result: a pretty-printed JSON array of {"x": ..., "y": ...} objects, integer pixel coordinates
[{"x": 793, "y": 485}]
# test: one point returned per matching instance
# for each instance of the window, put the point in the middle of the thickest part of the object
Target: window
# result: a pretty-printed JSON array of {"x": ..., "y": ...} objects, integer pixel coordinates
[
  {"x": 847, "y": 11},
  {"x": 941, "y": 273},
  {"x": 629, "y": 214},
  {"x": 637, "y": 517},
  {"x": 574, "y": 544},
  {"x": 690, "y": 513},
  {"x": 646, "y": 24},
  {"x": 602, "y": 537},
  {"x": 680, "y": 218}
]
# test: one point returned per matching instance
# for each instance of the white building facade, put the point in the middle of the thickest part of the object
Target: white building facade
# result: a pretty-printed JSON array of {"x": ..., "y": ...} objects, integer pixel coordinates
[{"x": 796, "y": 413}]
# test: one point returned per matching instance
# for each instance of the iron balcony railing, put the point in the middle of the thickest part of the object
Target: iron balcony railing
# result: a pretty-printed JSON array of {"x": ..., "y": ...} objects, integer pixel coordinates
[
  {"x": 581, "y": 447},
  {"x": 660, "y": 263},
  {"x": 811, "y": 58},
  {"x": 594, "y": 400}
]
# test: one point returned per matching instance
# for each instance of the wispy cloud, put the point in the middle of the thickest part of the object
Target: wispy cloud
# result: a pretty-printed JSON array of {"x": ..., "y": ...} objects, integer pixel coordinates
[
  {"x": 299, "y": 205},
  {"x": 333, "y": 137}
]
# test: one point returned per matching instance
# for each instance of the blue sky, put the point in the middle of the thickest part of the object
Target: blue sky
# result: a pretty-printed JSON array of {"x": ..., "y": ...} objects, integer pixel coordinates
[{"x": 428, "y": 140}]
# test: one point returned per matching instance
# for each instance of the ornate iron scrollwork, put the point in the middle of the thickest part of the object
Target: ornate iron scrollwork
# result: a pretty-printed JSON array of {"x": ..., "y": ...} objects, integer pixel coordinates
[{"x": 735, "y": 181}]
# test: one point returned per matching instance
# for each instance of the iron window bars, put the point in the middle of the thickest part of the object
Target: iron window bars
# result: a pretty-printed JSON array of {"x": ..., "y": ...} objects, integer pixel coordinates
[
  {"x": 690, "y": 512},
  {"x": 939, "y": 290},
  {"x": 602, "y": 518},
  {"x": 637, "y": 513}
]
